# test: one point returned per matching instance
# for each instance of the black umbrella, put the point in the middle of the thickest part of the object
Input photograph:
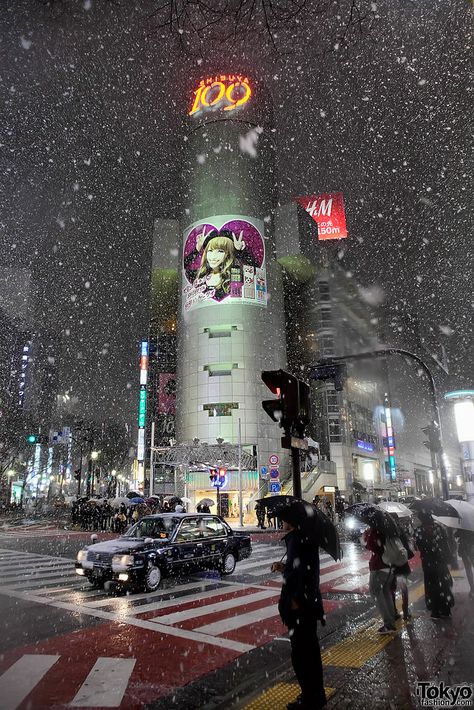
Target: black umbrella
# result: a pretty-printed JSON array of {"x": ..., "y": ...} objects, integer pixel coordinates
[
  {"x": 316, "y": 527},
  {"x": 434, "y": 506},
  {"x": 374, "y": 516}
]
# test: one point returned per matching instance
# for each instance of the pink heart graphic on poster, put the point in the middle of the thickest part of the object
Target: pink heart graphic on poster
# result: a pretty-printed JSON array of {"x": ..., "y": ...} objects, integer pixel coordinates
[{"x": 250, "y": 235}]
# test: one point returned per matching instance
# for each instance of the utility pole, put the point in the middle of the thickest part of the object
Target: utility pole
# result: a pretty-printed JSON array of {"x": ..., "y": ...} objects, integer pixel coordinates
[{"x": 338, "y": 362}]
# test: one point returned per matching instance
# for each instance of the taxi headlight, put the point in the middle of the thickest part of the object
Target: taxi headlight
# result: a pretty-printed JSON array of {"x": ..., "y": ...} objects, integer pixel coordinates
[
  {"x": 82, "y": 555},
  {"x": 122, "y": 560}
]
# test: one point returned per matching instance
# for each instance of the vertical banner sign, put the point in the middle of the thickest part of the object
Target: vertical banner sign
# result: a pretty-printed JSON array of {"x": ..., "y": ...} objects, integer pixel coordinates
[
  {"x": 166, "y": 407},
  {"x": 389, "y": 449},
  {"x": 142, "y": 400},
  {"x": 328, "y": 213}
]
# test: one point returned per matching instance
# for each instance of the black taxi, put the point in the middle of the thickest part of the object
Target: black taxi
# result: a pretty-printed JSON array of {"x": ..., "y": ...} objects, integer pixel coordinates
[{"x": 164, "y": 545}]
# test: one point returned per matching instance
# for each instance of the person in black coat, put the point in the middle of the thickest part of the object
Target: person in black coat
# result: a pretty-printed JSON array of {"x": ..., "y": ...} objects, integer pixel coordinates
[
  {"x": 432, "y": 542},
  {"x": 300, "y": 608}
]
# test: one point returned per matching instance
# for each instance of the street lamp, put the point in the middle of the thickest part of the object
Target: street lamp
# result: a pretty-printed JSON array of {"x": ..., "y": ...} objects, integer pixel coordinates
[
  {"x": 10, "y": 474},
  {"x": 464, "y": 419}
]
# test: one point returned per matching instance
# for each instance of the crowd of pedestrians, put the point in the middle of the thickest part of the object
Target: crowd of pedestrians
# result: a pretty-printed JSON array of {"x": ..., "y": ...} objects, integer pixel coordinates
[
  {"x": 100, "y": 515},
  {"x": 392, "y": 541}
]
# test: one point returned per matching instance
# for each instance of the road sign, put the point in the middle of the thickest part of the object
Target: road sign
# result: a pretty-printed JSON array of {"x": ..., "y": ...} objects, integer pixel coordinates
[
  {"x": 274, "y": 473},
  {"x": 264, "y": 470},
  {"x": 274, "y": 487},
  {"x": 273, "y": 460}
]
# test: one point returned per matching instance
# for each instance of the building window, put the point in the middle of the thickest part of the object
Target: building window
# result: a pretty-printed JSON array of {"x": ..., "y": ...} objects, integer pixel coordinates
[
  {"x": 220, "y": 409},
  {"x": 220, "y": 368},
  {"x": 221, "y": 331}
]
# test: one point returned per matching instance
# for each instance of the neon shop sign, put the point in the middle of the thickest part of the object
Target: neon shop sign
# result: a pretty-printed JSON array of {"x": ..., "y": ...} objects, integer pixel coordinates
[{"x": 225, "y": 91}]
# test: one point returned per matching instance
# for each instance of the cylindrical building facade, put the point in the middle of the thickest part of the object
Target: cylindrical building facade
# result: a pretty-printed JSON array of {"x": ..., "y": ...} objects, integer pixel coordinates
[{"x": 231, "y": 311}]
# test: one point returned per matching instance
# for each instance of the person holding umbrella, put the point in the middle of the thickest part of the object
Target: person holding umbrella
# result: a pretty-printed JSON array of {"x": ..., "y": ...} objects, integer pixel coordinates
[
  {"x": 466, "y": 553},
  {"x": 301, "y": 605},
  {"x": 380, "y": 579},
  {"x": 432, "y": 542}
]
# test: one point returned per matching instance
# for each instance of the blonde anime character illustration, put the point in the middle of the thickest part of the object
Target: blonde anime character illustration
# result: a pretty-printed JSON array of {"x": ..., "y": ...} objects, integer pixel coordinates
[
  {"x": 220, "y": 261},
  {"x": 223, "y": 263}
]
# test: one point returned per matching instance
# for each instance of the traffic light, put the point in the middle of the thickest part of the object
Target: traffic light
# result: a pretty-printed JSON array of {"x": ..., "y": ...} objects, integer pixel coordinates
[
  {"x": 293, "y": 408},
  {"x": 434, "y": 440},
  {"x": 212, "y": 475},
  {"x": 32, "y": 438},
  {"x": 329, "y": 370},
  {"x": 285, "y": 409},
  {"x": 222, "y": 475}
]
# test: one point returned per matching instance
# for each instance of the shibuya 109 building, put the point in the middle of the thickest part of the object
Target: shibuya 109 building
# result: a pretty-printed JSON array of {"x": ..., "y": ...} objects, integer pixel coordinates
[
  {"x": 231, "y": 313},
  {"x": 241, "y": 284},
  {"x": 217, "y": 310}
]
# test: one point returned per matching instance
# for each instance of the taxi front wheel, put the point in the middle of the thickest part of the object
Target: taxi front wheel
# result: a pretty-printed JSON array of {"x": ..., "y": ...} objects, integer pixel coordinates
[
  {"x": 228, "y": 563},
  {"x": 152, "y": 578}
]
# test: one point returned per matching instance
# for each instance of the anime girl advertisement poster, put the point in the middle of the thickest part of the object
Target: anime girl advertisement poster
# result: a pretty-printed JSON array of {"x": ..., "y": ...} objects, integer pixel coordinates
[{"x": 224, "y": 262}]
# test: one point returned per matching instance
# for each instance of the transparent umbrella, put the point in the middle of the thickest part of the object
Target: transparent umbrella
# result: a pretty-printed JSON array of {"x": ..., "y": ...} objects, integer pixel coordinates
[
  {"x": 392, "y": 506},
  {"x": 465, "y": 511}
]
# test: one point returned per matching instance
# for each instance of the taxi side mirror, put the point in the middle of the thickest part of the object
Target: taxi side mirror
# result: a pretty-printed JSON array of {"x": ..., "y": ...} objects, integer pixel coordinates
[{"x": 94, "y": 539}]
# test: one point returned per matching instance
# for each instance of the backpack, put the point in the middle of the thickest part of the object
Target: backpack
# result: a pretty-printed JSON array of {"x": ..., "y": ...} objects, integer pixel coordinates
[{"x": 395, "y": 553}]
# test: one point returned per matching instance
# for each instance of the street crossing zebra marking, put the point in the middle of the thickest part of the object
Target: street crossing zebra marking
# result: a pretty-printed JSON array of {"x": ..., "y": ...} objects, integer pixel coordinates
[
  {"x": 179, "y": 616},
  {"x": 189, "y": 598},
  {"x": 20, "y": 679},
  {"x": 236, "y": 622},
  {"x": 352, "y": 586},
  {"x": 52, "y": 581},
  {"x": 106, "y": 683},
  {"x": 122, "y": 601}
]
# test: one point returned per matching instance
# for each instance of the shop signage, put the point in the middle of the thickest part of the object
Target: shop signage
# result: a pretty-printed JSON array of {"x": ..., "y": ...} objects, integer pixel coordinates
[
  {"x": 328, "y": 213},
  {"x": 365, "y": 445},
  {"x": 222, "y": 92}
]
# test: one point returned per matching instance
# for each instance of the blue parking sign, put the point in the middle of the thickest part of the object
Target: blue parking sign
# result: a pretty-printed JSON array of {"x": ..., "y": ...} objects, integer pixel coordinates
[{"x": 274, "y": 487}]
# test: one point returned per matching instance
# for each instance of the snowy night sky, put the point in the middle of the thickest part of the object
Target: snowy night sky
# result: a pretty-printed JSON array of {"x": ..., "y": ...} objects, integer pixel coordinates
[{"x": 94, "y": 97}]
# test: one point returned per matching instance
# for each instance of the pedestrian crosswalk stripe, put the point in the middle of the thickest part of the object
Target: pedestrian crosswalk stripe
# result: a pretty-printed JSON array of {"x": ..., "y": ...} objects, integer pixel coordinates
[
  {"x": 20, "y": 679},
  {"x": 179, "y": 616},
  {"x": 352, "y": 585},
  {"x": 189, "y": 598},
  {"x": 268, "y": 563},
  {"x": 34, "y": 573},
  {"x": 9, "y": 569},
  {"x": 33, "y": 584},
  {"x": 257, "y": 563},
  {"x": 341, "y": 572},
  {"x": 106, "y": 683},
  {"x": 129, "y": 599},
  {"x": 236, "y": 622}
]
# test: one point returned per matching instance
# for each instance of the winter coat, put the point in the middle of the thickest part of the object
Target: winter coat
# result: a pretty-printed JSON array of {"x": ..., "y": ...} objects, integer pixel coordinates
[
  {"x": 300, "y": 591},
  {"x": 374, "y": 542}
]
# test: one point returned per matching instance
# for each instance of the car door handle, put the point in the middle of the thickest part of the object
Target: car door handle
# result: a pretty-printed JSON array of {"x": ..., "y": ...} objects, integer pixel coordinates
[{"x": 199, "y": 544}]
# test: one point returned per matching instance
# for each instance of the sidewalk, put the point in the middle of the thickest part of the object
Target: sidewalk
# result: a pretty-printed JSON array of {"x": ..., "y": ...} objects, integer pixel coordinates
[{"x": 366, "y": 671}]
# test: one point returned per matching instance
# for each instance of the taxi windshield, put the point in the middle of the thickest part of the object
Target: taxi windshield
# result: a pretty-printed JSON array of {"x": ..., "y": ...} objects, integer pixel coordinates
[{"x": 153, "y": 527}]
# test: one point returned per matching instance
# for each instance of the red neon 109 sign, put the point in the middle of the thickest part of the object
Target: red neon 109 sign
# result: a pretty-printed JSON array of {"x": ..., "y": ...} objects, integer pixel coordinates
[{"x": 226, "y": 92}]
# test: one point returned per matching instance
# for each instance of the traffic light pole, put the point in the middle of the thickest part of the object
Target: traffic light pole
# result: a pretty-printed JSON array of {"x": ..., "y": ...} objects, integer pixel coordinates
[
  {"x": 434, "y": 398},
  {"x": 295, "y": 462}
]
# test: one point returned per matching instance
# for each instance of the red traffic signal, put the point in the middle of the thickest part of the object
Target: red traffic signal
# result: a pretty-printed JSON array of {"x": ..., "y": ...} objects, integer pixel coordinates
[
  {"x": 293, "y": 408},
  {"x": 222, "y": 473},
  {"x": 285, "y": 409}
]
